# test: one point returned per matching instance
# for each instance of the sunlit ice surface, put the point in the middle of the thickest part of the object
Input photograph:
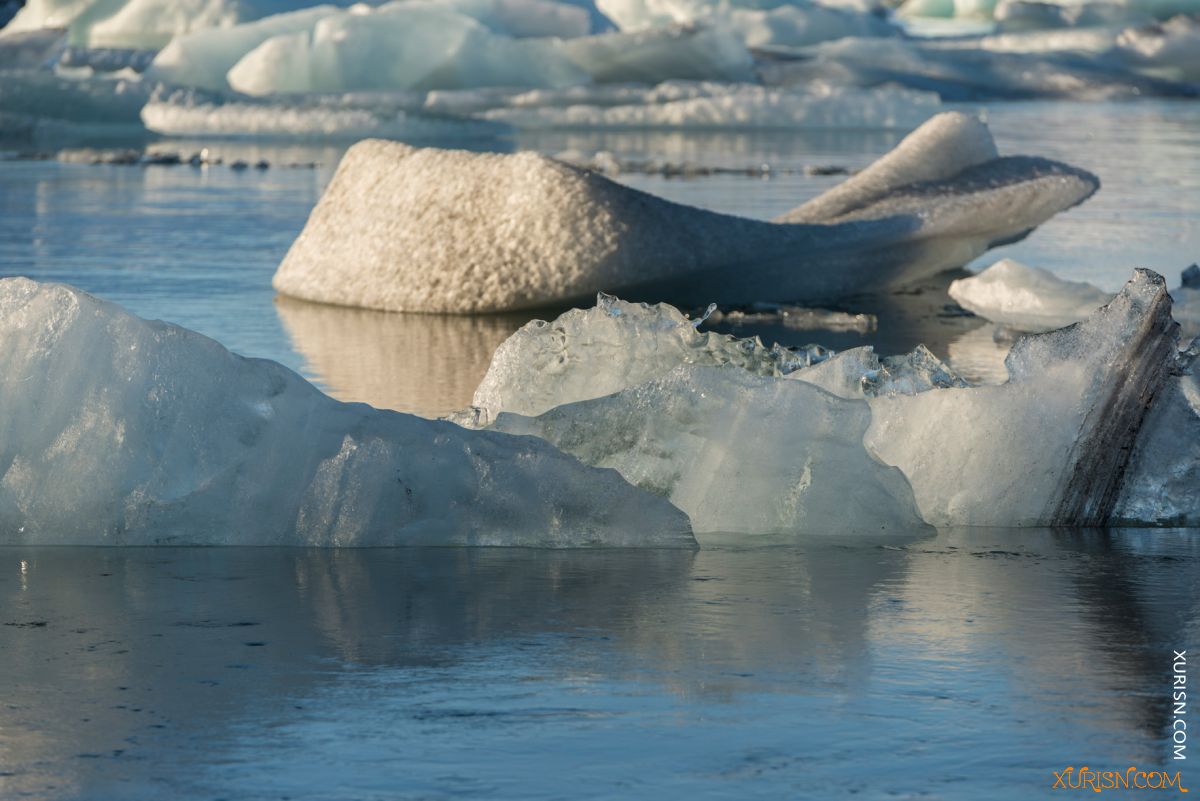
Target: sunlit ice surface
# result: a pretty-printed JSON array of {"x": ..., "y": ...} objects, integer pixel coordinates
[{"x": 968, "y": 663}]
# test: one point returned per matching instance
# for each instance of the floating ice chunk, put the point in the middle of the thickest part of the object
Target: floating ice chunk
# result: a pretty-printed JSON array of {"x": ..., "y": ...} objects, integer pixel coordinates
[
  {"x": 736, "y": 106},
  {"x": 116, "y": 430},
  {"x": 973, "y": 69},
  {"x": 188, "y": 112},
  {"x": 405, "y": 45},
  {"x": 1051, "y": 446},
  {"x": 738, "y": 452},
  {"x": 686, "y": 52},
  {"x": 202, "y": 58},
  {"x": 409, "y": 229},
  {"x": 802, "y": 25},
  {"x": 1027, "y": 298},
  {"x": 587, "y": 353}
]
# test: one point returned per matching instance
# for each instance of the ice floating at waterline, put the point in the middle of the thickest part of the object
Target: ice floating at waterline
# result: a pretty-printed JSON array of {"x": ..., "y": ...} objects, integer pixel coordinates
[
  {"x": 1032, "y": 299},
  {"x": 1099, "y": 422},
  {"x": 409, "y": 229},
  {"x": 474, "y": 113},
  {"x": 1026, "y": 298},
  {"x": 117, "y": 430}
]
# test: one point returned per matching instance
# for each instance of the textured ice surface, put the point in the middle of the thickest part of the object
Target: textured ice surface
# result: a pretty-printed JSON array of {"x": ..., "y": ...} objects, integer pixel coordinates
[
  {"x": 116, "y": 430},
  {"x": 188, "y": 112},
  {"x": 1052, "y": 445},
  {"x": 738, "y": 452},
  {"x": 1026, "y": 298},
  {"x": 410, "y": 229},
  {"x": 473, "y": 112},
  {"x": 727, "y": 106},
  {"x": 586, "y": 353},
  {"x": 689, "y": 52}
]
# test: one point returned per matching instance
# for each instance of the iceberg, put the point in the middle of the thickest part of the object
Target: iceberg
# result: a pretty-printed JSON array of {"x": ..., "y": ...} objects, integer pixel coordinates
[
  {"x": 476, "y": 113},
  {"x": 712, "y": 106},
  {"x": 120, "y": 431},
  {"x": 411, "y": 229},
  {"x": 588, "y": 353},
  {"x": 1052, "y": 445},
  {"x": 738, "y": 452},
  {"x": 1093, "y": 66},
  {"x": 1097, "y": 424},
  {"x": 1026, "y": 298}
]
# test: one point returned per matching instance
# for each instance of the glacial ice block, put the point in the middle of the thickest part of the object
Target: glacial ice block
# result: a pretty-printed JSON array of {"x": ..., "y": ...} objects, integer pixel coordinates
[
  {"x": 407, "y": 229},
  {"x": 587, "y": 353},
  {"x": 738, "y": 452},
  {"x": 1052, "y": 446},
  {"x": 116, "y": 430},
  {"x": 1026, "y": 298}
]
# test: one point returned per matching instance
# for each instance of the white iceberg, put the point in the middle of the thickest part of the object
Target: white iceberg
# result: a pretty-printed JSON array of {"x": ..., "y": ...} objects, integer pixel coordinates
[
  {"x": 117, "y": 430},
  {"x": 728, "y": 107},
  {"x": 1032, "y": 299},
  {"x": 408, "y": 229},
  {"x": 1026, "y": 298}
]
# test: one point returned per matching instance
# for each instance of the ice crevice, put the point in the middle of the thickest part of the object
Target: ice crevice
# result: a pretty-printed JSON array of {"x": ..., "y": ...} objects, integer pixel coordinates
[{"x": 424, "y": 229}]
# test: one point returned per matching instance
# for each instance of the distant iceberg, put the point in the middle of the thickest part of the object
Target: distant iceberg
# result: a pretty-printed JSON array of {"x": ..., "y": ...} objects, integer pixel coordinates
[
  {"x": 407, "y": 229},
  {"x": 415, "y": 116},
  {"x": 120, "y": 431},
  {"x": 1098, "y": 424}
]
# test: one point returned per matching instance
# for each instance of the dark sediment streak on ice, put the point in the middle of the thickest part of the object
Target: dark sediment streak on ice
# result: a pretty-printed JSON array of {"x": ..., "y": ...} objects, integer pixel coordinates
[{"x": 1133, "y": 380}]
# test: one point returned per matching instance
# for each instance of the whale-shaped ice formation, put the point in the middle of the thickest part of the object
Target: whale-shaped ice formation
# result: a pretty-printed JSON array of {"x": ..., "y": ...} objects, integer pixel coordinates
[
  {"x": 408, "y": 229},
  {"x": 116, "y": 430},
  {"x": 1099, "y": 422}
]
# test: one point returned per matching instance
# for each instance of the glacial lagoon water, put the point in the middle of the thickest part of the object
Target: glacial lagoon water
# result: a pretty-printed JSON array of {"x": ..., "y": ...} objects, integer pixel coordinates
[
  {"x": 963, "y": 664},
  {"x": 960, "y": 665}
]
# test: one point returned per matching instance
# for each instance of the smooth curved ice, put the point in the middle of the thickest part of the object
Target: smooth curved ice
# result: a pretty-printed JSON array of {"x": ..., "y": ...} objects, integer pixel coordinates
[
  {"x": 116, "y": 430},
  {"x": 409, "y": 229},
  {"x": 1026, "y": 298}
]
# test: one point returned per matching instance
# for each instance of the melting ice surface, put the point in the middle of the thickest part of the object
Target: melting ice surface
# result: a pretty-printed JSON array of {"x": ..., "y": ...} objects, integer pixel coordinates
[
  {"x": 426, "y": 229},
  {"x": 121, "y": 431},
  {"x": 1097, "y": 422}
]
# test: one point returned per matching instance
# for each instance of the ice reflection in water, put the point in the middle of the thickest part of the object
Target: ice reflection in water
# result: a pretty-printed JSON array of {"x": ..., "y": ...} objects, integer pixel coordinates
[
  {"x": 429, "y": 364},
  {"x": 966, "y": 664}
]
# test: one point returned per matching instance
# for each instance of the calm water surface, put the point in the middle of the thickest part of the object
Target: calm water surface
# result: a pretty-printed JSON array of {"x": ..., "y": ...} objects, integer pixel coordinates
[
  {"x": 961, "y": 665},
  {"x": 958, "y": 665}
]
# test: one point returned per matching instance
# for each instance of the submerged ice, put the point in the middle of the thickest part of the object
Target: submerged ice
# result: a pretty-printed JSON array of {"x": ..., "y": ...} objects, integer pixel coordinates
[
  {"x": 117, "y": 430},
  {"x": 424, "y": 229}
]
